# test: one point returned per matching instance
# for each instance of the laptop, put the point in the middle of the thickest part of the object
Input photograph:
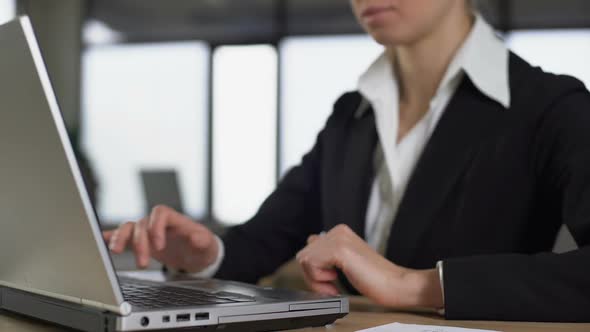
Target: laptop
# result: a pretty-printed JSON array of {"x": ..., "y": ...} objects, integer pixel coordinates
[
  {"x": 161, "y": 187},
  {"x": 54, "y": 264}
]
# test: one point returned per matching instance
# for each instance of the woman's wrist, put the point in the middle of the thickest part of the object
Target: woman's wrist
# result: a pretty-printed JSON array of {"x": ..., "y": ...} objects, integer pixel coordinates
[{"x": 425, "y": 288}]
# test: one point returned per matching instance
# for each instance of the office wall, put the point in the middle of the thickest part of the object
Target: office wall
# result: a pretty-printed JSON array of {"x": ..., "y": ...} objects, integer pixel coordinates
[{"x": 58, "y": 25}]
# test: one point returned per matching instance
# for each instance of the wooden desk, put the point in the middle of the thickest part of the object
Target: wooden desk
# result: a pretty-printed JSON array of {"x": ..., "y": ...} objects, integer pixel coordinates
[
  {"x": 363, "y": 315},
  {"x": 361, "y": 320}
]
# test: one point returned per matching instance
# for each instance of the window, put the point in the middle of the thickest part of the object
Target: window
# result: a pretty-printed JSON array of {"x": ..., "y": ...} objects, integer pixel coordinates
[
  {"x": 244, "y": 130},
  {"x": 556, "y": 51},
  {"x": 316, "y": 71},
  {"x": 145, "y": 108},
  {"x": 7, "y": 10}
]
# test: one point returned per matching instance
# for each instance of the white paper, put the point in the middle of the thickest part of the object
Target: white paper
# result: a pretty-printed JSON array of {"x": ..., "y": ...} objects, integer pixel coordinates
[{"x": 398, "y": 327}]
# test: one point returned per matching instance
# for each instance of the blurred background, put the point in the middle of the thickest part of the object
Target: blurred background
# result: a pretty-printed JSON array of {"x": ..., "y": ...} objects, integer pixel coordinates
[{"x": 211, "y": 101}]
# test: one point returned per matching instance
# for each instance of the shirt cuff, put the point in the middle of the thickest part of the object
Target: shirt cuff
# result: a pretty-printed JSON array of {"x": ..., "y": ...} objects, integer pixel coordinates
[
  {"x": 439, "y": 268},
  {"x": 210, "y": 270}
]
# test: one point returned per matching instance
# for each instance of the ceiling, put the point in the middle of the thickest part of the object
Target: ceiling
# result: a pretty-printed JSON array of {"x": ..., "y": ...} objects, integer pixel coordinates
[{"x": 246, "y": 21}]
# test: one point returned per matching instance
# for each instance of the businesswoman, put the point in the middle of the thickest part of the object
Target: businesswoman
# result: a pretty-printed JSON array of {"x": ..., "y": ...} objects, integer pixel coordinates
[{"x": 440, "y": 183}]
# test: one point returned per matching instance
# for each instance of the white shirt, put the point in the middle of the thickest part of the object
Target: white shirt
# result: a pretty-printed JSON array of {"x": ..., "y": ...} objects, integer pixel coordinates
[{"x": 483, "y": 57}]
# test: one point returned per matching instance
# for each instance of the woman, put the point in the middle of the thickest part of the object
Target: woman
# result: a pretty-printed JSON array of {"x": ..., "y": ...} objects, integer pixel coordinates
[{"x": 454, "y": 153}]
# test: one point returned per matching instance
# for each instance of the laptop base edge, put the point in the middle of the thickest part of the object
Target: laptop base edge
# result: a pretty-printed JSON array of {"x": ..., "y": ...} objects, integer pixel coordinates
[
  {"x": 278, "y": 324},
  {"x": 83, "y": 318}
]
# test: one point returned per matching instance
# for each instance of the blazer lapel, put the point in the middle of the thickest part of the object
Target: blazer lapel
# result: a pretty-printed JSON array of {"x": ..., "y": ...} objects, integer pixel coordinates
[
  {"x": 355, "y": 177},
  {"x": 469, "y": 117}
]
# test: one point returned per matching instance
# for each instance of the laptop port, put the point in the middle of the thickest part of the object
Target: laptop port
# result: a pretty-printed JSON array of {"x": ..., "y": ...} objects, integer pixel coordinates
[
  {"x": 144, "y": 321},
  {"x": 201, "y": 316},
  {"x": 183, "y": 317},
  {"x": 166, "y": 319}
]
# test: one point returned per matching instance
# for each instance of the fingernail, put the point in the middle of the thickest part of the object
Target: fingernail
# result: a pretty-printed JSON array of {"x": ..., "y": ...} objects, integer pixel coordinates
[
  {"x": 159, "y": 244},
  {"x": 112, "y": 245}
]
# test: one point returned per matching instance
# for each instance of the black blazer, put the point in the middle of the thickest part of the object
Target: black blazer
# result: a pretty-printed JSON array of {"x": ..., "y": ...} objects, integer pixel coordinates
[{"x": 487, "y": 197}]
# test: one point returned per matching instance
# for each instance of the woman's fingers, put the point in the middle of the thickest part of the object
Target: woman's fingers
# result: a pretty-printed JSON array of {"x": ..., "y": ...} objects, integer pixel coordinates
[
  {"x": 107, "y": 235},
  {"x": 324, "y": 288},
  {"x": 141, "y": 244},
  {"x": 159, "y": 220},
  {"x": 319, "y": 280},
  {"x": 121, "y": 237},
  {"x": 319, "y": 274},
  {"x": 164, "y": 218},
  {"x": 320, "y": 287},
  {"x": 149, "y": 236},
  {"x": 312, "y": 238}
]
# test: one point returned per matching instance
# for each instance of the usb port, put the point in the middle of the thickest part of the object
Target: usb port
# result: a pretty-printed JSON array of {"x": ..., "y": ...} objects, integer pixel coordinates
[
  {"x": 202, "y": 316},
  {"x": 166, "y": 319},
  {"x": 183, "y": 317}
]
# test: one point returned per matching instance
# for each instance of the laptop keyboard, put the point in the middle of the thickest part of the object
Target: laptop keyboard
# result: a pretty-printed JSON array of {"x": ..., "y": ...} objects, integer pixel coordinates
[{"x": 154, "y": 296}]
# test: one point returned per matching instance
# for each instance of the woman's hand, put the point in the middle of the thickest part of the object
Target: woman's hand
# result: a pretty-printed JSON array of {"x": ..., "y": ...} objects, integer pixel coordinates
[
  {"x": 370, "y": 273},
  {"x": 168, "y": 236}
]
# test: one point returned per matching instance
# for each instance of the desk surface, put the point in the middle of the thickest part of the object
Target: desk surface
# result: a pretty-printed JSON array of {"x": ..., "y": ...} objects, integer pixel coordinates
[{"x": 363, "y": 315}]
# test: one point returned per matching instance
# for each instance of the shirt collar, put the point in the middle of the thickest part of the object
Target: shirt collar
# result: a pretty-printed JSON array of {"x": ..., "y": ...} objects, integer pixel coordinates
[{"x": 483, "y": 57}]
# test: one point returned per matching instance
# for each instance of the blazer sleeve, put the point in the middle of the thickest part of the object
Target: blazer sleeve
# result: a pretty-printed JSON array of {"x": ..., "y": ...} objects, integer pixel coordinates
[{"x": 543, "y": 286}]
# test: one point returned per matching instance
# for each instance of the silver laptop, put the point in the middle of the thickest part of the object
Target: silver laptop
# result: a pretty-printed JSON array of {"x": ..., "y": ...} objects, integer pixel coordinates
[{"x": 54, "y": 264}]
